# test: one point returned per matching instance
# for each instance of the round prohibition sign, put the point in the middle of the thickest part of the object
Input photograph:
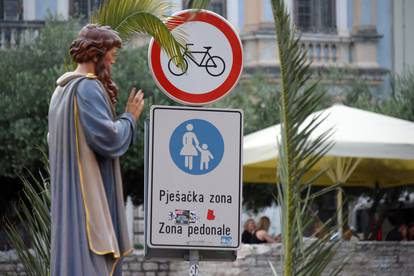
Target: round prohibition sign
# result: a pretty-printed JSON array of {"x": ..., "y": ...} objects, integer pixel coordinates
[{"x": 214, "y": 51}]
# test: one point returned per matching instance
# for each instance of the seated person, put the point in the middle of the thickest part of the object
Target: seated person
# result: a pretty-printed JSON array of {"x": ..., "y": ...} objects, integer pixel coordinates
[
  {"x": 410, "y": 234},
  {"x": 398, "y": 233},
  {"x": 249, "y": 229},
  {"x": 261, "y": 234},
  {"x": 348, "y": 234}
]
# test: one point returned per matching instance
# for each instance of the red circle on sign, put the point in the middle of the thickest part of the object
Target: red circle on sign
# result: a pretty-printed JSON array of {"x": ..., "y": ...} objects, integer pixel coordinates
[{"x": 200, "y": 99}]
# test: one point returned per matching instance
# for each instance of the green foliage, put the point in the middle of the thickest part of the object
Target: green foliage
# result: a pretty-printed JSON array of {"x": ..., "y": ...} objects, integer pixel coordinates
[
  {"x": 27, "y": 79},
  {"x": 33, "y": 214},
  {"x": 258, "y": 196},
  {"x": 401, "y": 102},
  {"x": 257, "y": 97},
  {"x": 360, "y": 95},
  {"x": 297, "y": 152}
]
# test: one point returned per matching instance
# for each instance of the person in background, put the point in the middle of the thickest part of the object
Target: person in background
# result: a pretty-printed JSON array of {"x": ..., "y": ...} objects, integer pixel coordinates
[
  {"x": 249, "y": 229},
  {"x": 348, "y": 234},
  {"x": 398, "y": 233},
  {"x": 261, "y": 235},
  {"x": 410, "y": 234}
]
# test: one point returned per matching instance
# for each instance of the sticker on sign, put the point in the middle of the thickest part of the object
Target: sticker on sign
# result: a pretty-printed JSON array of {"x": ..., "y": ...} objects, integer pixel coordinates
[
  {"x": 194, "y": 179},
  {"x": 213, "y": 60}
]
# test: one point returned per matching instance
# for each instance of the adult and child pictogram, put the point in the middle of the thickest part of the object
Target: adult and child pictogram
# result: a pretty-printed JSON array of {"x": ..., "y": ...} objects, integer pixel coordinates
[{"x": 196, "y": 146}]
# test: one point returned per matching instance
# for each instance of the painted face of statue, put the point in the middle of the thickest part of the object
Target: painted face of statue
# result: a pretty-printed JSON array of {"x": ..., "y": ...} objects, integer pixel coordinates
[{"x": 110, "y": 57}]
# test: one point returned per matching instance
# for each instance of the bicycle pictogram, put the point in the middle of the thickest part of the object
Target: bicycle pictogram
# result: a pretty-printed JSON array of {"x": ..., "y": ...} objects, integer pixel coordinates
[{"x": 214, "y": 65}]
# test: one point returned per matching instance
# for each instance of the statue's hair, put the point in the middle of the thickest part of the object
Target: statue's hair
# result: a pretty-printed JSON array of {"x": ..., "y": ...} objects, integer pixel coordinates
[{"x": 91, "y": 45}]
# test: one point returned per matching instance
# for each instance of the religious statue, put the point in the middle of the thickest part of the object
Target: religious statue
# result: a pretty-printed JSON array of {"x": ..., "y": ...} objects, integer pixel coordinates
[{"x": 86, "y": 139}]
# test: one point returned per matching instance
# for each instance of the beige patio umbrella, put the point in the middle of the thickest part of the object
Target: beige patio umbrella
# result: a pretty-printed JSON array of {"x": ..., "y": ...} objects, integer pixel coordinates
[{"x": 369, "y": 150}]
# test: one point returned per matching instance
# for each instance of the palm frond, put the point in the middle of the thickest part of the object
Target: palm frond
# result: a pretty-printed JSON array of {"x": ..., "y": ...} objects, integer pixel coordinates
[
  {"x": 33, "y": 213},
  {"x": 298, "y": 153},
  {"x": 131, "y": 17}
]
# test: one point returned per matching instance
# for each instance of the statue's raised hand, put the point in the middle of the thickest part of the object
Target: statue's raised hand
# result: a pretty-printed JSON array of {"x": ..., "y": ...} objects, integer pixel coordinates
[{"x": 135, "y": 104}]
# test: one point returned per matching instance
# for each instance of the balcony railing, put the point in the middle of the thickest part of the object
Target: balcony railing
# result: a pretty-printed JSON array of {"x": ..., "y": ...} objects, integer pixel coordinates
[
  {"x": 13, "y": 33},
  {"x": 327, "y": 50},
  {"x": 324, "y": 50}
]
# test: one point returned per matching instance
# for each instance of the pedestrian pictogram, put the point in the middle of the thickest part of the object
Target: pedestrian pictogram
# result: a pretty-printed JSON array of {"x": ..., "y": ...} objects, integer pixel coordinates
[
  {"x": 196, "y": 146},
  {"x": 213, "y": 60}
]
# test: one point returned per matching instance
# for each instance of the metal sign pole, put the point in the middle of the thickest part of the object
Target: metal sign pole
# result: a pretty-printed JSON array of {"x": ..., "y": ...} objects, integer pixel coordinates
[{"x": 194, "y": 258}]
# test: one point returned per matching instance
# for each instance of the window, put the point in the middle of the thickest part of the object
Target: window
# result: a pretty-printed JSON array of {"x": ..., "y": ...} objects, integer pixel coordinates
[
  {"x": 317, "y": 16},
  {"x": 217, "y": 6},
  {"x": 11, "y": 10},
  {"x": 83, "y": 8},
  {"x": 1, "y": 9}
]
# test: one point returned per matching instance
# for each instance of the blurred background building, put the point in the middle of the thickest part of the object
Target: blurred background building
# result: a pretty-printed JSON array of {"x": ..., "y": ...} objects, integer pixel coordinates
[{"x": 368, "y": 38}]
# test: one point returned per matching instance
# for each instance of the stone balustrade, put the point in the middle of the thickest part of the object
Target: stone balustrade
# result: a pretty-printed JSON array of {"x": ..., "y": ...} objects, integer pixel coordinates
[
  {"x": 324, "y": 50},
  {"x": 327, "y": 50},
  {"x": 13, "y": 33}
]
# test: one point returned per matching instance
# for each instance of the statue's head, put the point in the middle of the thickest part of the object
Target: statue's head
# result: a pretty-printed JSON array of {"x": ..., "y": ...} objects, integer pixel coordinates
[{"x": 98, "y": 44}]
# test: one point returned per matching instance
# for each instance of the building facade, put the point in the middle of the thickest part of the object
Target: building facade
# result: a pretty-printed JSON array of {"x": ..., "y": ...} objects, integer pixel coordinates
[
  {"x": 403, "y": 36},
  {"x": 368, "y": 38},
  {"x": 352, "y": 36}
]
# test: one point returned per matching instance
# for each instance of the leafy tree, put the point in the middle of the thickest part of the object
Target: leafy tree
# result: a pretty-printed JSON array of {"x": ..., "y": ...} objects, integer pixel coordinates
[
  {"x": 256, "y": 96},
  {"x": 397, "y": 103},
  {"x": 401, "y": 102},
  {"x": 27, "y": 80}
]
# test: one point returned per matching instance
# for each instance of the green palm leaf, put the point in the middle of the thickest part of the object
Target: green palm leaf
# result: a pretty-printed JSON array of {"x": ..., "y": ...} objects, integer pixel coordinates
[
  {"x": 33, "y": 213},
  {"x": 298, "y": 153},
  {"x": 131, "y": 17}
]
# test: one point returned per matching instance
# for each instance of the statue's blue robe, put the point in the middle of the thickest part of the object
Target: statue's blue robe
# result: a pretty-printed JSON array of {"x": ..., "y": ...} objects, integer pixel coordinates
[{"x": 89, "y": 233}]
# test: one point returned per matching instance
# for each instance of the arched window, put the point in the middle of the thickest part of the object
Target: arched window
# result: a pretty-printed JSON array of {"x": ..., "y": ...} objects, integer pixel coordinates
[
  {"x": 217, "y": 6},
  {"x": 318, "y": 16}
]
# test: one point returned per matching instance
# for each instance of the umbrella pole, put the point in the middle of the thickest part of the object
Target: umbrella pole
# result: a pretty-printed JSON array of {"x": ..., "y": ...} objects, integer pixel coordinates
[{"x": 339, "y": 205}]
